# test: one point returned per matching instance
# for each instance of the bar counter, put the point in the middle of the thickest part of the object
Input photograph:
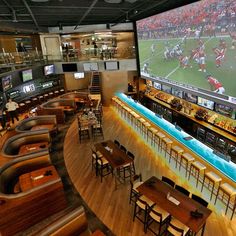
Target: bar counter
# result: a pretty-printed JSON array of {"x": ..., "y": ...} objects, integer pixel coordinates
[{"x": 200, "y": 149}]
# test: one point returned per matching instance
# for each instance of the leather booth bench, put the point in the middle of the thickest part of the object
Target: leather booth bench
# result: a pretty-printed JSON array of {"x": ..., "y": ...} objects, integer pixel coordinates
[
  {"x": 72, "y": 223},
  {"x": 28, "y": 124},
  {"x": 23, "y": 209}
]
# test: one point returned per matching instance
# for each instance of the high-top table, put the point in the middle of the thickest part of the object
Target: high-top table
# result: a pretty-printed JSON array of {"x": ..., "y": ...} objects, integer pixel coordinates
[
  {"x": 157, "y": 191},
  {"x": 114, "y": 155}
]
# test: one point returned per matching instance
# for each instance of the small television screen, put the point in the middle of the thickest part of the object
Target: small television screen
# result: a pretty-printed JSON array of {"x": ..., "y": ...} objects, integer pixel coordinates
[
  {"x": 190, "y": 97},
  {"x": 90, "y": 66},
  {"x": 28, "y": 88},
  {"x": 205, "y": 103},
  {"x": 49, "y": 69},
  {"x": 27, "y": 75},
  {"x": 111, "y": 65},
  {"x": 157, "y": 85},
  {"x": 177, "y": 92},
  {"x": 166, "y": 88},
  {"x": 6, "y": 83},
  {"x": 224, "y": 110},
  {"x": 79, "y": 75},
  {"x": 69, "y": 67}
]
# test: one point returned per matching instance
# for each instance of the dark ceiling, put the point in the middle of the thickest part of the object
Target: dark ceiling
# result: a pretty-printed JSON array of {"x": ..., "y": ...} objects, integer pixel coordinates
[{"x": 37, "y": 15}]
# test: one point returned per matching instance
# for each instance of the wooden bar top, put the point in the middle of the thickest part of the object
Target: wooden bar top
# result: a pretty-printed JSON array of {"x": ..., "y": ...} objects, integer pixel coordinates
[
  {"x": 117, "y": 157},
  {"x": 32, "y": 147},
  {"x": 37, "y": 177},
  {"x": 157, "y": 191}
]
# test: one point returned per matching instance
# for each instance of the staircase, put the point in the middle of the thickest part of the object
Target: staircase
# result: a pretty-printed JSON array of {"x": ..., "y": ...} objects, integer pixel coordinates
[{"x": 95, "y": 84}]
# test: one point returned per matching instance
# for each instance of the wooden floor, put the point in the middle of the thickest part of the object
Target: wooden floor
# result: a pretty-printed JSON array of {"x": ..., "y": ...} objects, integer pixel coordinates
[{"x": 112, "y": 206}]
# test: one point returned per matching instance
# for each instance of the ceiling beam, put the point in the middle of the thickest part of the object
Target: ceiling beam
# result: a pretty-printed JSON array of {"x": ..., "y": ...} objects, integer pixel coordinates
[
  {"x": 86, "y": 13},
  {"x": 31, "y": 14},
  {"x": 8, "y": 5}
]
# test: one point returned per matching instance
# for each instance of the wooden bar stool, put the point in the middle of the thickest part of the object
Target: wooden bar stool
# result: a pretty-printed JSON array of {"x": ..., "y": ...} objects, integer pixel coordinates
[
  {"x": 175, "y": 152},
  {"x": 27, "y": 105},
  {"x": 212, "y": 179},
  {"x": 228, "y": 191},
  {"x": 186, "y": 159},
  {"x": 166, "y": 144},
  {"x": 158, "y": 138},
  {"x": 196, "y": 167},
  {"x": 151, "y": 134},
  {"x": 145, "y": 127},
  {"x": 22, "y": 107}
]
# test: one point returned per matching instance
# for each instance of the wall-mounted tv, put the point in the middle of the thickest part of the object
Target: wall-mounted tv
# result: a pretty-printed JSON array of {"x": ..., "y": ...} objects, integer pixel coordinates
[
  {"x": 111, "y": 65},
  {"x": 205, "y": 103},
  {"x": 49, "y": 69},
  {"x": 166, "y": 88},
  {"x": 224, "y": 110},
  {"x": 177, "y": 92},
  {"x": 190, "y": 97},
  {"x": 157, "y": 85},
  {"x": 28, "y": 88},
  {"x": 27, "y": 75},
  {"x": 79, "y": 75},
  {"x": 69, "y": 67},
  {"x": 90, "y": 66},
  {"x": 187, "y": 44},
  {"x": 6, "y": 82}
]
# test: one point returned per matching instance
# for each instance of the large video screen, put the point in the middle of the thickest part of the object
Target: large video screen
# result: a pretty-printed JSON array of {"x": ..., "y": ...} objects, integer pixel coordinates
[
  {"x": 6, "y": 83},
  {"x": 193, "y": 45}
]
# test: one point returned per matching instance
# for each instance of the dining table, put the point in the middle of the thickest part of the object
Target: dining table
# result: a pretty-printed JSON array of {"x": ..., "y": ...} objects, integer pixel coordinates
[
  {"x": 177, "y": 204},
  {"x": 38, "y": 177},
  {"x": 32, "y": 147},
  {"x": 43, "y": 126},
  {"x": 115, "y": 156}
]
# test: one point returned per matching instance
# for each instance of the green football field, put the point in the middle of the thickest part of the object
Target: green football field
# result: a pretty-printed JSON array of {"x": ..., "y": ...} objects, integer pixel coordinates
[{"x": 159, "y": 66}]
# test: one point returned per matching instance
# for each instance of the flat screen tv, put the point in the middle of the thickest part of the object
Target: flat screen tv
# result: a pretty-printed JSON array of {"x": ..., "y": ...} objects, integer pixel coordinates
[
  {"x": 111, "y": 65},
  {"x": 166, "y": 88},
  {"x": 69, "y": 67},
  {"x": 205, "y": 103},
  {"x": 224, "y": 110},
  {"x": 90, "y": 66},
  {"x": 157, "y": 85},
  {"x": 27, "y": 75},
  {"x": 177, "y": 92},
  {"x": 187, "y": 44},
  {"x": 49, "y": 69},
  {"x": 79, "y": 75},
  {"x": 190, "y": 97},
  {"x": 6, "y": 82}
]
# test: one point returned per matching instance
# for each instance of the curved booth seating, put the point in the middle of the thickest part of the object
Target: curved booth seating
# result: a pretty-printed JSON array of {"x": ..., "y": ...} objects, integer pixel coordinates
[
  {"x": 58, "y": 107},
  {"x": 12, "y": 147},
  {"x": 25, "y": 208},
  {"x": 74, "y": 95},
  {"x": 72, "y": 223},
  {"x": 48, "y": 122}
]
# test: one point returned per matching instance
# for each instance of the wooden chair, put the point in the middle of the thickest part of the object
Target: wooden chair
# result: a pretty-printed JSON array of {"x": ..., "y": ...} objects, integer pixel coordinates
[
  {"x": 168, "y": 181},
  {"x": 157, "y": 215},
  {"x": 83, "y": 129},
  {"x": 175, "y": 227},
  {"x": 135, "y": 182},
  {"x": 123, "y": 148},
  {"x": 97, "y": 130},
  {"x": 117, "y": 143},
  {"x": 182, "y": 190},
  {"x": 200, "y": 200}
]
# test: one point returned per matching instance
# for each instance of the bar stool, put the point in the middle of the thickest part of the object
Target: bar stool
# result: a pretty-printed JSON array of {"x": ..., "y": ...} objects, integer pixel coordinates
[
  {"x": 56, "y": 93},
  {"x": 230, "y": 192},
  {"x": 50, "y": 95},
  {"x": 22, "y": 107},
  {"x": 145, "y": 127},
  {"x": 62, "y": 91},
  {"x": 34, "y": 101},
  {"x": 196, "y": 167},
  {"x": 186, "y": 159},
  {"x": 27, "y": 104},
  {"x": 213, "y": 179},
  {"x": 151, "y": 133},
  {"x": 40, "y": 98},
  {"x": 165, "y": 143},
  {"x": 175, "y": 151},
  {"x": 158, "y": 137},
  {"x": 45, "y": 96}
]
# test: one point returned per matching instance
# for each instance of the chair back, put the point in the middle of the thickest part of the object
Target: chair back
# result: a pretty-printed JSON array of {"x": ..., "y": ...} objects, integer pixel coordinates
[
  {"x": 200, "y": 200},
  {"x": 168, "y": 181},
  {"x": 123, "y": 148},
  {"x": 174, "y": 230},
  {"x": 130, "y": 154},
  {"x": 158, "y": 215},
  {"x": 117, "y": 143},
  {"x": 182, "y": 190},
  {"x": 135, "y": 178}
]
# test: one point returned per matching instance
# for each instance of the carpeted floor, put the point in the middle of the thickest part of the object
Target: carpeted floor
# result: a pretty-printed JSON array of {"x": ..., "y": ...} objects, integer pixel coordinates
[{"x": 73, "y": 197}]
